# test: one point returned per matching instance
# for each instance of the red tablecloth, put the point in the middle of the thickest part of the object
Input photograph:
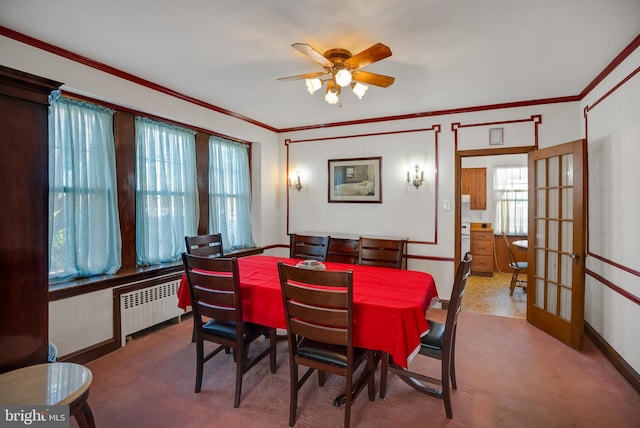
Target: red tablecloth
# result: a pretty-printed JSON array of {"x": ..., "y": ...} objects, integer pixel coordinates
[{"x": 389, "y": 304}]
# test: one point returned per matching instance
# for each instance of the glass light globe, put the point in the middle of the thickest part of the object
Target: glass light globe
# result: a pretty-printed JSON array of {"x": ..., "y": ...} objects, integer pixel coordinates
[
  {"x": 313, "y": 84},
  {"x": 343, "y": 77}
]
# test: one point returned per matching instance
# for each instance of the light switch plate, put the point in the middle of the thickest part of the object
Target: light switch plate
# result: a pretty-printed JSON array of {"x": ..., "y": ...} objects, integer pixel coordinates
[{"x": 446, "y": 205}]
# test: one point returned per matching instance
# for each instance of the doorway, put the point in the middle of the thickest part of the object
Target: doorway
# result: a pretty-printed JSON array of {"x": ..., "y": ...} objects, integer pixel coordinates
[{"x": 490, "y": 294}]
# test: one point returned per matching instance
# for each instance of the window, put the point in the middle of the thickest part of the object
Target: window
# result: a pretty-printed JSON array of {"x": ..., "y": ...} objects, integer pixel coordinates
[
  {"x": 84, "y": 231},
  {"x": 511, "y": 196},
  {"x": 166, "y": 192},
  {"x": 230, "y": 193}
]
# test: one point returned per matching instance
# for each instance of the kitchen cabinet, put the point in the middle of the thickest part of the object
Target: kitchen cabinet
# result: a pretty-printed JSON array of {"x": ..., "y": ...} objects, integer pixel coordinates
[
  {"x": 474, "y": 184},
  {"x": 482, "y": 251}
]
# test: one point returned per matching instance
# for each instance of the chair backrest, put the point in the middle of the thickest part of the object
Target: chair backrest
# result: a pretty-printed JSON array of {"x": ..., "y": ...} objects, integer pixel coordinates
[
  {"x": 309, "y": 247},
  {"x": 459, "y": 283},
  {"x": 318, "y": 305},
  {"x": 381, "y": 252},
  {"x": 205, "y": 245},
  {"x": 512, "y": 257},
  {"x": 214, "y": 284}
]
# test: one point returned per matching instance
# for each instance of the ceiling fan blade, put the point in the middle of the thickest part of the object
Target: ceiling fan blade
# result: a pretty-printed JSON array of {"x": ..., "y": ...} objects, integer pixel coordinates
[
  {"x": 369, "y": 56},
  {"x": 304, "y": 76},
  {"x": 313, "y": 54},
  {"x": 372, "y": 78}
]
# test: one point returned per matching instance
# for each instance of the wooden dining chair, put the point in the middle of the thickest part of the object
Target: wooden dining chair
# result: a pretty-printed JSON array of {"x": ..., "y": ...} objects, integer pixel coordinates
[
  {"x": 517, "y": 267},
  {"x": 216, "y": 297},
  {"x": 205, "y": 245},
  {"x": 381, "y": 252},
  {"x": 439, "y": 343},
  {"x": 308, "y": 247},
  {"x": 318, "y": 308}
]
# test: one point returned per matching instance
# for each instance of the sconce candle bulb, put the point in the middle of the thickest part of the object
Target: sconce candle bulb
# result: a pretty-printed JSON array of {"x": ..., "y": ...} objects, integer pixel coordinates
[
  {"x": 296, "y": 184},
  {"x": 417, "y": 180}
]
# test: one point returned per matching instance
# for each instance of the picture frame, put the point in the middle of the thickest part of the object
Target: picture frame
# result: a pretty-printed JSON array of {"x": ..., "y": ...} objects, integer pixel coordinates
[{"x": 356, "y": 180}]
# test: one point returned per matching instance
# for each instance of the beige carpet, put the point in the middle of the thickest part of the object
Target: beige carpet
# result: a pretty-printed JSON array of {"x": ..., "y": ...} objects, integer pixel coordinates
[
  {"x": 490, "y": 295},
  {"x": 510, "y": 374}
]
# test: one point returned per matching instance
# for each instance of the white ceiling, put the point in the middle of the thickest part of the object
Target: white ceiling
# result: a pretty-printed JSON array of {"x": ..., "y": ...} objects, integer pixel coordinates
[{"x": 446, "y": 53}]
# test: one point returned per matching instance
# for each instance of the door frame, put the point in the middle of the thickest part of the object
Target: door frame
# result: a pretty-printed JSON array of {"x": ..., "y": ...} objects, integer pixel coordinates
[{"x": 458, "y": 184}]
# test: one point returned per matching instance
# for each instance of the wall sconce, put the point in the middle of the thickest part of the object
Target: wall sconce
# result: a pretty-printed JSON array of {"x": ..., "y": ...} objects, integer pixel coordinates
[
  {"x": 296, "y": 184},
  {"x": 417, "y": 179}
]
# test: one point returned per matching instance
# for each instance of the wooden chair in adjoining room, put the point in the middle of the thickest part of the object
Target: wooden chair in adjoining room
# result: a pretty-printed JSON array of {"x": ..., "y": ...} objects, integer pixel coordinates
[
  {"x": 309, "y": 247},
  {"x": 381, "y": 252},
  {"x": 205, "y": 245},
  {"x": 216, "y": 296},
  {"x": 318, "y": 308},
  {"x": 439, "y": 343},
  {"x": 517, "y": 267}
]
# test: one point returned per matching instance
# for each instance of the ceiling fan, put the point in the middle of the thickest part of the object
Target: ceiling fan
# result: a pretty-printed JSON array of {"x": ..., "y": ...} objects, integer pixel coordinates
[{"x": 342, "y": 69}]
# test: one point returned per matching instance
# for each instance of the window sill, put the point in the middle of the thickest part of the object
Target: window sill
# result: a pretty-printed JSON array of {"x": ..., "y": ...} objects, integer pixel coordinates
[{"x": 79, "y": 286}]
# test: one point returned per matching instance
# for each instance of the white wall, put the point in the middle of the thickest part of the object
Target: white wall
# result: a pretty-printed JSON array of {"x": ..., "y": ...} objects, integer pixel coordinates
[
  {"x": 417, "y": 214},
  {"x": 612, "y": 128}
]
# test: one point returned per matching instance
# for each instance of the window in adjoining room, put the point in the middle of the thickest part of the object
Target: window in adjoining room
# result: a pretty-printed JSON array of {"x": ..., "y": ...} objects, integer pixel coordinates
[{"x": 511, "y": 195}]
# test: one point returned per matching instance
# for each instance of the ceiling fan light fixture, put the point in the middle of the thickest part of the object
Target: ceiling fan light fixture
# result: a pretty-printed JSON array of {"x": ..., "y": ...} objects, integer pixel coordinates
[
  {"x": 359, "y": 89},
  {"x": 331, "y": 97},
  {"x": 313, "y": 85},
  {"x": 343, "y": 77}
]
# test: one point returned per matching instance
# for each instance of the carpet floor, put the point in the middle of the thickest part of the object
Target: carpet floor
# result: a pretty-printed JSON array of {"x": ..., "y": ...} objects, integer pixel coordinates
[{"x": 510, "y": 374}]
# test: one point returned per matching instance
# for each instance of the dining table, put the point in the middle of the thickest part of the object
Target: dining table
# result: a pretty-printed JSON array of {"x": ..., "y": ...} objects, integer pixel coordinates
[
  {"x": 389, "y": 305},
  {"x": 521, "y": 244}
]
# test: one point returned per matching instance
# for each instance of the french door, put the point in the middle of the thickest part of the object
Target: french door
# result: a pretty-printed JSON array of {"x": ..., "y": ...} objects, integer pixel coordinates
[{"x": 555, "y": 278}]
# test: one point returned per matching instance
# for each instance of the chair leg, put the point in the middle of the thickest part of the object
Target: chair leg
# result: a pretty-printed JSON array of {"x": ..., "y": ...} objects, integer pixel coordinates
[
  {"x": 272, "y": 345},
  {"x": 293, "y": 393},
  {"x": 514, "y": 279},
  {"x": 371, "y": 367},
  {"x": 446, "y": 386},
  {"x": 383, "y": 374},
  {"x": 240, "y": 362},
  {"x": 199, "y": 364}
]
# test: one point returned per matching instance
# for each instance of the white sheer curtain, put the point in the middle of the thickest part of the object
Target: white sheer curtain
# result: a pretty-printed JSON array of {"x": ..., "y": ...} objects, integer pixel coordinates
[
  {"x": 230, "y": 193},
  {"x": 166, "y": 191},
  {"x": 511, "y": 196},
  {"x": 84, "y": 230}
]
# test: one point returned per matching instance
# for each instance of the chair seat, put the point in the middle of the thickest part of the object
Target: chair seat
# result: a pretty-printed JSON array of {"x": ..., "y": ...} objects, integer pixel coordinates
[
  {"x": 434, "y": 339},
  {"x": 331, "y": 354},
  {"x": 519, "y": 265},
  {"x": 227, "y": 329}
]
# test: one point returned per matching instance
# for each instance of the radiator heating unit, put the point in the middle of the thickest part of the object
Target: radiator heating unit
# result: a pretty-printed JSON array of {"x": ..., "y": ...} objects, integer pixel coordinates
[{"x": 146, "y": 307}]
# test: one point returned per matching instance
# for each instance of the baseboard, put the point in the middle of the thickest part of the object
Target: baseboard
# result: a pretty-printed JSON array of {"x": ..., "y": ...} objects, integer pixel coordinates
[{"x": 618, "y": 362}]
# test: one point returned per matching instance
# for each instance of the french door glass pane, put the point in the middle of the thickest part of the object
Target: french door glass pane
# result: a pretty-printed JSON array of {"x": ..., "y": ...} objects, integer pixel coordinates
[
  {"x": 553, "y": 208},
  {"x": 567, "y": 202},
  {"x": 541, "y": 175},
  {"x": 554, "y": 180},
  {"x": 552, "y": 298},
  {"x": 565, "y": 304},
  {"x": 552, "y": 244},
  {"x": 539, "y": 298},
  {"x": 567, "y": 170},
  {"x": 567, "y": 271}
]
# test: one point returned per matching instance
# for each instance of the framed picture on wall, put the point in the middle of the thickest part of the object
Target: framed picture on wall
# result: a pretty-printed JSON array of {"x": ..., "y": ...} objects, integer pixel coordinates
[{"x": 355, "y": 180}]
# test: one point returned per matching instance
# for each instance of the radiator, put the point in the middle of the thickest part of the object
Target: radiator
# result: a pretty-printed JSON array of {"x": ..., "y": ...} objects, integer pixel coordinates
[{"x": 147, "y": 307}]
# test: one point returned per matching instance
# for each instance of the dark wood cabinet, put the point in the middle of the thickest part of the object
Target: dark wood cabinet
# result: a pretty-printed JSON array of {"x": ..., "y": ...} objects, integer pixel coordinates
[
  {"x": 474, "y": 184},
  {"x": 24, "y": 284}
]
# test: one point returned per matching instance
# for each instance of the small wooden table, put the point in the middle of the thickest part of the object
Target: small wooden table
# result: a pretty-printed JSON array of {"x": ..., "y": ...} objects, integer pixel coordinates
[{"x": 50, "y": 384}]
